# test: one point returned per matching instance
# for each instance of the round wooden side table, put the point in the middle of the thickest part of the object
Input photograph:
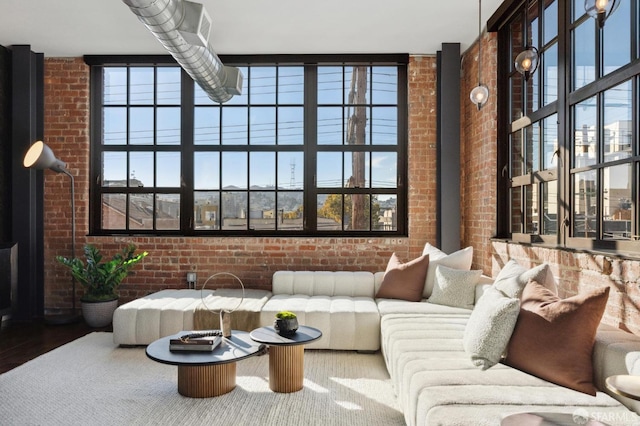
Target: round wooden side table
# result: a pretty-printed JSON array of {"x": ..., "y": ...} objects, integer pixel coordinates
[{"x": 624, "y": 385}]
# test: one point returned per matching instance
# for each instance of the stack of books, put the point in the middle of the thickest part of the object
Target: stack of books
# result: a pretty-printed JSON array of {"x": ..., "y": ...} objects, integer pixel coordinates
[{"x": 196, "y": 344}]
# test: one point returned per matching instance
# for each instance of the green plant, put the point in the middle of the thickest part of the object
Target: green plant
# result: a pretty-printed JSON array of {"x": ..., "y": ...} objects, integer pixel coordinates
[
  {"x": 286, "y": 315},
  {"x": 101, "y": 279}
]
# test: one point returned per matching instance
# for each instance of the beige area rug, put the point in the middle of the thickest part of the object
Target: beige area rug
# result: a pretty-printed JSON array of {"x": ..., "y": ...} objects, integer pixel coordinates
[{"x": 90, "y": 381}]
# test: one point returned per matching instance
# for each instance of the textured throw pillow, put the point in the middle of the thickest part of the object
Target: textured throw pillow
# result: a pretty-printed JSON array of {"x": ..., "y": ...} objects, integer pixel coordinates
[
  {"x": 513, "y": 277},
  {"x": 553, "y": 338},
  {"x": 460, "y": 259},
  {"x": 489, "y": 328},
  {"x": 455, "y": 287},
  {"x": 404, "y": 280}
]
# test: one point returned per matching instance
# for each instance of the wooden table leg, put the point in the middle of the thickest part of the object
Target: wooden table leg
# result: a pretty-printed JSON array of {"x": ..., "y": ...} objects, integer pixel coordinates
[
  {"x": 286, "y": 368},
  {"x": 205, "y": 381}
]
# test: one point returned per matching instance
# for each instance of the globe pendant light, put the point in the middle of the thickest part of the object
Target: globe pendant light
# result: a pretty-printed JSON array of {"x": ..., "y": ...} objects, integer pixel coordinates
[
  {"x": 600, "y": 10},
  {"x": 480, "y": 94},
  {"x": 527, "y": 61}
]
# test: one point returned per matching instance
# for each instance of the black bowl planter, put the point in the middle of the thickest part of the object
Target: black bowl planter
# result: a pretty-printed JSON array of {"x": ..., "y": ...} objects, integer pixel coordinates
[{"x": 286, "y": 327}]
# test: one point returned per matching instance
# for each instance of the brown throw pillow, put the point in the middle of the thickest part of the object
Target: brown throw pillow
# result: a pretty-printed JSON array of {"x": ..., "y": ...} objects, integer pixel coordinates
[
  {"x": 553, "y": 338},
  {"x": 404, "y": 280}
]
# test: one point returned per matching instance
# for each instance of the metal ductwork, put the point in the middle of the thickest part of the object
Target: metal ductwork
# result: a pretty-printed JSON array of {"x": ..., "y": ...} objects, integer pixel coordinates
[{"x": 183, "y": 29}]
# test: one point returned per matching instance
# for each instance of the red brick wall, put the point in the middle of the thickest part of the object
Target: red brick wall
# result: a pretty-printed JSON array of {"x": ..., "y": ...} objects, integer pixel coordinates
[{"x": 252, "y": 259}]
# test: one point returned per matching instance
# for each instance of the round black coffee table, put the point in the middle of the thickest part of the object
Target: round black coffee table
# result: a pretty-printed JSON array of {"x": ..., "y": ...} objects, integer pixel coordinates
[
  {"x": 286, "y": 356},
  {"x": 206, "y": 374}
]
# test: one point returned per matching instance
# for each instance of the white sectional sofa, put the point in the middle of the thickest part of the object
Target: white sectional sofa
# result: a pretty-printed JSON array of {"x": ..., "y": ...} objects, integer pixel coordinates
[{"x": 435, "y": 380}]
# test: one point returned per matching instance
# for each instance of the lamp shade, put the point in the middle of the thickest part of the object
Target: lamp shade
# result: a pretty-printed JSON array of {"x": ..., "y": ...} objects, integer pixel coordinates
[
  {"x": 600, "y": 10},
  {"x": 527, "y": 62},
  {"x": 479, "y": 95},
  {"x": 41, "y": 157}
]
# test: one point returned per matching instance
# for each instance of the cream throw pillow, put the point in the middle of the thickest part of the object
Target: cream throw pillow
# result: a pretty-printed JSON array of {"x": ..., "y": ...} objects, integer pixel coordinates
[
  {"x": 490, "y": 327},
  {"x": 513, "y": 277},
  {"x": 455, "y": 287},
  {"x": 460, "y": 259}
]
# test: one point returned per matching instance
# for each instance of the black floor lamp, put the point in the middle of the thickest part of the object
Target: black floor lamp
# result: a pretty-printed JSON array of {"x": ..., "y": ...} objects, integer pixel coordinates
[{"x": 41, "y": 157}]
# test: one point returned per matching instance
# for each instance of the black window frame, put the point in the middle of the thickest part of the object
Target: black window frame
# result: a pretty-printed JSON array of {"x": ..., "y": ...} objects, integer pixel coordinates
[{"x": 310, "y": 147}]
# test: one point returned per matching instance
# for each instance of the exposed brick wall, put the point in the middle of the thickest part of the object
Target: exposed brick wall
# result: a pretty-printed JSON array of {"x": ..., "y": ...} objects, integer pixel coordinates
[
  {"x": 252, "y": 259},
  {"x": 478, "y": 153}
]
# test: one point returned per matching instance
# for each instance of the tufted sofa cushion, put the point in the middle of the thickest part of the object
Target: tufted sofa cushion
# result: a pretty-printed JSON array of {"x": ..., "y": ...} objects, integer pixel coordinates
[{"x": 340, "y": 304}]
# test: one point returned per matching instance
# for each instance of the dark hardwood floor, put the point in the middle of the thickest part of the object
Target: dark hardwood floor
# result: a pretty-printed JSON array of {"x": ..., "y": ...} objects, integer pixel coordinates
[{"x": 24, "y": 341}]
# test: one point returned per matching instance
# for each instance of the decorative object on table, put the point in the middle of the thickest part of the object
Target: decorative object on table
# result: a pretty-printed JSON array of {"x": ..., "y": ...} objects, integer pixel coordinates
[
  {"x": 286, "y": 323},
  {"x": 197, "y": 341},
  {"x": 41, "y": 157},
  {"x": 225, "y": 314},
  {"x": 101, "y": 280}
]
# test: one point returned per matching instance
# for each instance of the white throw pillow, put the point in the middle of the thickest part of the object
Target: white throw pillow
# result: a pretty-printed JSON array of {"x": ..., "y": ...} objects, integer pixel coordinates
[
  {"x": 490, "y": 326},
  {"x": 513, "y": 277},
  {"x": 455, "y": 287},
  {"x": 460, "y": 259}
]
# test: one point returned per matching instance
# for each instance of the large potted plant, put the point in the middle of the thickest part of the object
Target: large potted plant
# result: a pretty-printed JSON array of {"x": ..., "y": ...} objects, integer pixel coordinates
[{"x": 101, "y": 280}]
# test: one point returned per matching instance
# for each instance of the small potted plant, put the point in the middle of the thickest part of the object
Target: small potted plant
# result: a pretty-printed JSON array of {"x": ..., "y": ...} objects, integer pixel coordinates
[
  {"x": 101, "y": 281},
  {"x": 286, "y": 323}
]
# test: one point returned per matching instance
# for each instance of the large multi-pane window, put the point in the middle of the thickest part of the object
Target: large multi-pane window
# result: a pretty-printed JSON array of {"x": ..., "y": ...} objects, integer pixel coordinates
[
  {"x": 573, "y": 156},
  {"x": 308, "y": 148}
]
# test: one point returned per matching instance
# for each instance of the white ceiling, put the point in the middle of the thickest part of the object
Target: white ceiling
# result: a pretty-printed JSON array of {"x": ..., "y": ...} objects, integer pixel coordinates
[{"x": 71, "y": 28}]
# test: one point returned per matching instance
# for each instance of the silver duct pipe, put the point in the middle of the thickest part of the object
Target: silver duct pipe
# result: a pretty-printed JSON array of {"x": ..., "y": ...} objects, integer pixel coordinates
[{"x": 183, "y": 29}]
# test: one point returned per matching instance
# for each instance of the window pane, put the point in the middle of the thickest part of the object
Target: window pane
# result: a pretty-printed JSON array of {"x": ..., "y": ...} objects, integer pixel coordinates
[
  {"x": 517, "y": 157},
  {"x": 206, "y": 210},
  {"x": 515, "y": 205},
  {"x": 262, "y": 169},
  {"x": 168, "y": 169},
  {"x": 384, "y": 85},
  {"x": 114, "y": 211},
  {"x": 329, "y": 212},
  {"x": 141, "y": 211},
  {"x": 290, "y": 126},
  {"x": 515, "y": 84},
  {"x": 234, "y": 170},
  {"x": 585, "y": 134},
  {"x": 356, "y": 85},
  {"x": 114, "y": 126},
  {"x": 550, "y": 23},
  {"x": 115, "y": 86},
  {"x": 141, "y": 126},
  {"x": 532, "y": 148},
  {"x": 550, "y": 74},
  {"x": 141, "y": 85},
  {"x": 291, "y": 170},
  {"x": 262, "y": 126},
  {"x": 384, "y": 126},
  {"x": 356, "y": 121},
  {"x": 357, "y": 212},
  {"x": 578, "y": 9},
  {"x": 168, "y": 126},
  {"x": 262, "y": 210},
  {"x": 329, "y": 170},
  {"x": 206, "y": 170},
  {"x": 385, "y": 209},
  {"x": 329, "y": 126},
  {"x": 114, "y": 169},
  {"x": 141, "y": 170},
  {"x": 234, "y": 126},
  {"x": 290, "y": 210},
  {"x": 617, "y": 122},
  {"x": 384, "y": 170},
  {"x": 168, "y": 86},
  {"x": 167, "y": 211},
  {"x": 617, "y": 202},
  {"x": 550, "y": 208},
  {"x": 516, "y": 38},
  {"x": 550, "y": 142},
  {"x": 616, "y": 36},
  {"x": 531, "y": 209},
  {"x": 206, "y": 126},
  {"x": 584, "y": 54},
  {"x": 291, "y": 85},
  {"x": 585, "y": 197},
  {"x": 262, "y": 85},
  {"x": 234, "y": 211},
  {"x": 356, "y": 170},
  {"x": 329, "y": 85}
]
